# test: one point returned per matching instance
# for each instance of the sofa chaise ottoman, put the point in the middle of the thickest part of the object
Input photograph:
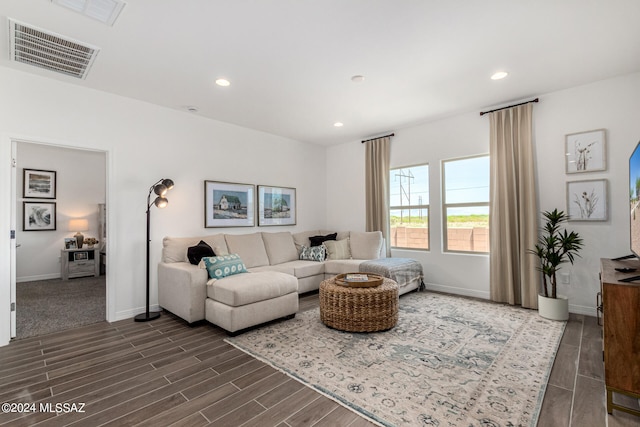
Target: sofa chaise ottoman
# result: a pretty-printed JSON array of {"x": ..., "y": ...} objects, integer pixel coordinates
[{"x": 244, "y": 300}]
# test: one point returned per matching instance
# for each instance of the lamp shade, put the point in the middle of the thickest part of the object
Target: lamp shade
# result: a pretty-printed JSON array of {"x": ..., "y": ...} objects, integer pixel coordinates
[
  {"x": 160, "y": 190},
  {"x": 167, "y": 183},
  {"x": 161, "y": 202},
  {"x": 79, "y": 224}
]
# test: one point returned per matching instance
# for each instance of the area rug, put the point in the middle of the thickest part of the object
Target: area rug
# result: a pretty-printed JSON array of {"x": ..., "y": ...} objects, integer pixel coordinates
[{"x": 449, "y": 361}]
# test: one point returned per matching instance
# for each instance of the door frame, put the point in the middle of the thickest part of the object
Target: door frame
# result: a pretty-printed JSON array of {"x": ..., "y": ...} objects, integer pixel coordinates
[{"x": 13, "y": 246}]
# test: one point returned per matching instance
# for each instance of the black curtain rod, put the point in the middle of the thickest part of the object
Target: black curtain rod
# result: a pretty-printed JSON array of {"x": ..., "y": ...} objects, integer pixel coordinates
[
  {"x": 482, "y": 113},
  {"x": 383, "y": 136}
]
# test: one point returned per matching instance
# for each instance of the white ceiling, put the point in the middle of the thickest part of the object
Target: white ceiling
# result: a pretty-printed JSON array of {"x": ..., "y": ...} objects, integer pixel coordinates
[{"x": 290, "y": 62}]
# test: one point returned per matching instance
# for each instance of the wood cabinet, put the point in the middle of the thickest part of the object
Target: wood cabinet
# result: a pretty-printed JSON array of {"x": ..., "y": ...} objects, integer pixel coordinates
[
  {"x": 621, "y": 338},
  {"x": 79, "y": 263}
]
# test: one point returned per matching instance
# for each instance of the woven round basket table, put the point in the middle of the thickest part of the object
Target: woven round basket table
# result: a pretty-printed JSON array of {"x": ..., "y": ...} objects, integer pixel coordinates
[{"x": 359, "y": 309}]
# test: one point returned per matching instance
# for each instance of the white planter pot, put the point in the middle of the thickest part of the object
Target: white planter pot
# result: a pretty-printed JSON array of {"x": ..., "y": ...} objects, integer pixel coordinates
[{"x": 553, "y": 308}]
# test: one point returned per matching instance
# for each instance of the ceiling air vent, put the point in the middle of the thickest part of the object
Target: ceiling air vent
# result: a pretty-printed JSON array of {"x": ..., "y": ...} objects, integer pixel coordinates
[{"x": 37, "y": 47}]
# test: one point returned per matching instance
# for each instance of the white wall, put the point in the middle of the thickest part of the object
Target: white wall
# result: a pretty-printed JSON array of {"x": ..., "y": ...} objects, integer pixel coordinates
[
  {"x": 144, "y": 143},
  {"x": 612, "y": 104},
  {"x": 80, "y": 186}
]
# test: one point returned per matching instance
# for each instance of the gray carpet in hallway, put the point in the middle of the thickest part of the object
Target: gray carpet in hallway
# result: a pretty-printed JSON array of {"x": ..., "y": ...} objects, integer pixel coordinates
[{"x": 47, "y": 306}]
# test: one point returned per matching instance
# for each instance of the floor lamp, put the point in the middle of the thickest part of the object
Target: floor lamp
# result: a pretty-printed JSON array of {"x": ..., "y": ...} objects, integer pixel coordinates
[{"x": 160, "y": 188}]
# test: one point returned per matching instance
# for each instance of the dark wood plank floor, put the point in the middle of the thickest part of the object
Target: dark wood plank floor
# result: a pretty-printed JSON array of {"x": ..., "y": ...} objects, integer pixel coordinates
[
  {"x": 168, "y": 373},
  {"x": 575, "y": 395}
]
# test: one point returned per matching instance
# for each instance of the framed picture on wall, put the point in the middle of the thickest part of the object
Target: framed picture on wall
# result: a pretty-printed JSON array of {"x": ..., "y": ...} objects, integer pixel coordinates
[
  {"x": 587, "y": 200},
  {"x": 585, "y": 151},
  {"x": 39, "y": 184},
  {"x": 39, "y": 216},
  {"x": 228, "y": 204},
  {"x": 276, "y": 206}
]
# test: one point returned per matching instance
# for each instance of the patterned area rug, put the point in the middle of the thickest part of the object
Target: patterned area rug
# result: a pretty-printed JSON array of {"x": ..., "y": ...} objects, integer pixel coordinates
[{"x": 449, "y": 362}]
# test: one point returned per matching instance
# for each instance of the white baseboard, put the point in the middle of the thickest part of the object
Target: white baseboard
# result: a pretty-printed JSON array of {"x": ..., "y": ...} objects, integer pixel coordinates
[
  {"x": 39, "y": 277},
  {"x": 130, "y": 314},
  {"x": 458, "y": 291}
]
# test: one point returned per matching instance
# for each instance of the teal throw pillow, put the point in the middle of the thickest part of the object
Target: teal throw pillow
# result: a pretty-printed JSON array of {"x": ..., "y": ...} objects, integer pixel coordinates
[
  {"x": 314, "y": 253},
  {"x": 224, "y": 265}
]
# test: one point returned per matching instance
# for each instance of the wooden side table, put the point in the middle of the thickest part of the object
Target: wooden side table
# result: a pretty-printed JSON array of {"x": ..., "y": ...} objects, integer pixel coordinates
[{"x": 79, "y": 263}]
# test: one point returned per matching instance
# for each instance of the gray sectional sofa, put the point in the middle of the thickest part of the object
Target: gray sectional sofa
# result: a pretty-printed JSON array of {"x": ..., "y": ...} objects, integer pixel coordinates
[{"x": 275, "y": 275}]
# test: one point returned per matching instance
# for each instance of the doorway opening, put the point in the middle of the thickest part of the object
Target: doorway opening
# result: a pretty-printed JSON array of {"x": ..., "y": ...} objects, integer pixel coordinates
[{"x": 60, "y": 231}]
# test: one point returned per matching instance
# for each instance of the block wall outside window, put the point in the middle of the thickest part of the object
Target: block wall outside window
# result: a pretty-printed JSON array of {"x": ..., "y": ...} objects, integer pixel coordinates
[
  {"x": 474, "y": 239},
  {"x": 409, "y": 237}
]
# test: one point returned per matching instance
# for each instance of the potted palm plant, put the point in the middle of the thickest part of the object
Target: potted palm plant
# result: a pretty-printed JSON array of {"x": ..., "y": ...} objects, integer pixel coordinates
[{"x": 555, "y": 246}]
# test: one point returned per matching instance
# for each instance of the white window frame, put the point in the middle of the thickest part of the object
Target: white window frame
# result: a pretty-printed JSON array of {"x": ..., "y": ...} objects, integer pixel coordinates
[{"x": 445, "y": 205}]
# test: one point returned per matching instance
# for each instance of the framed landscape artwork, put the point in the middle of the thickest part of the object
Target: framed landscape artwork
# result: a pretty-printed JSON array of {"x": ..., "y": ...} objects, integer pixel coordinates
[
  {"x": 39, "y": 184},
  {"x": 585, "y": 151},
  {"x": 39, "y": 216},
  {"x": 228, "y": 204},
  {"x": 587, "y": 200},
  {"x": 276, "y": 206}
]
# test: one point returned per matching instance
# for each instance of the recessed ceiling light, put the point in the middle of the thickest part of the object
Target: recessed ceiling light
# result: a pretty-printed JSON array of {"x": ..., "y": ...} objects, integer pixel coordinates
[
  {"x": 499, "y": 75},
  {"x": 191, "y": 109},
  {"x": 223, "y": 82},
  {"x": 338, "y": 124},
  {"x": 357, "y": 78}
]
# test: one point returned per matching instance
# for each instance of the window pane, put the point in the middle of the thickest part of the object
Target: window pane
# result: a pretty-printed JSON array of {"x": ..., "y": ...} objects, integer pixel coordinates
[
  {"x": 467, "y": 180},
  {"x": 409, "y": 186},
  {"x": 409, "y": 228},
  {"x": 468, "y": 229},
  {"x": 409, "y": 201}
]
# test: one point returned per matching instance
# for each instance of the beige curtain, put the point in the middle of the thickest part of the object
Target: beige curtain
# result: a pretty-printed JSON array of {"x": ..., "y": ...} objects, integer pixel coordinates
[
  {"x": 377, "y": 187},
  {"x": 513, "y": 209}
]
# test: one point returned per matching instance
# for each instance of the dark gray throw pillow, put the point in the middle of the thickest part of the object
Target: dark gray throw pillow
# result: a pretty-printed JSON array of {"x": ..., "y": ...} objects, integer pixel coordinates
[
  {"x": 199, "y": 251},
  {"x": 317, "y": 240}
]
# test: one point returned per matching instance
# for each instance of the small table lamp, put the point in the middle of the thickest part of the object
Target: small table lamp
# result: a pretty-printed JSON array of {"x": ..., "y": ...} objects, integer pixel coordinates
[{"x": 79, "y": 225}]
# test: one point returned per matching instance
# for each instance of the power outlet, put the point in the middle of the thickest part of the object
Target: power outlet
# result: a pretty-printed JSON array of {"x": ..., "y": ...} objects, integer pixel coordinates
[{"x": 565, "y": 278}]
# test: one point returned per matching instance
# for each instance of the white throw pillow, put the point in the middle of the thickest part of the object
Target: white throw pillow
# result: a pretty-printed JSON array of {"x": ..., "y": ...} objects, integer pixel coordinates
[{"x": 338, "y": 249}]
